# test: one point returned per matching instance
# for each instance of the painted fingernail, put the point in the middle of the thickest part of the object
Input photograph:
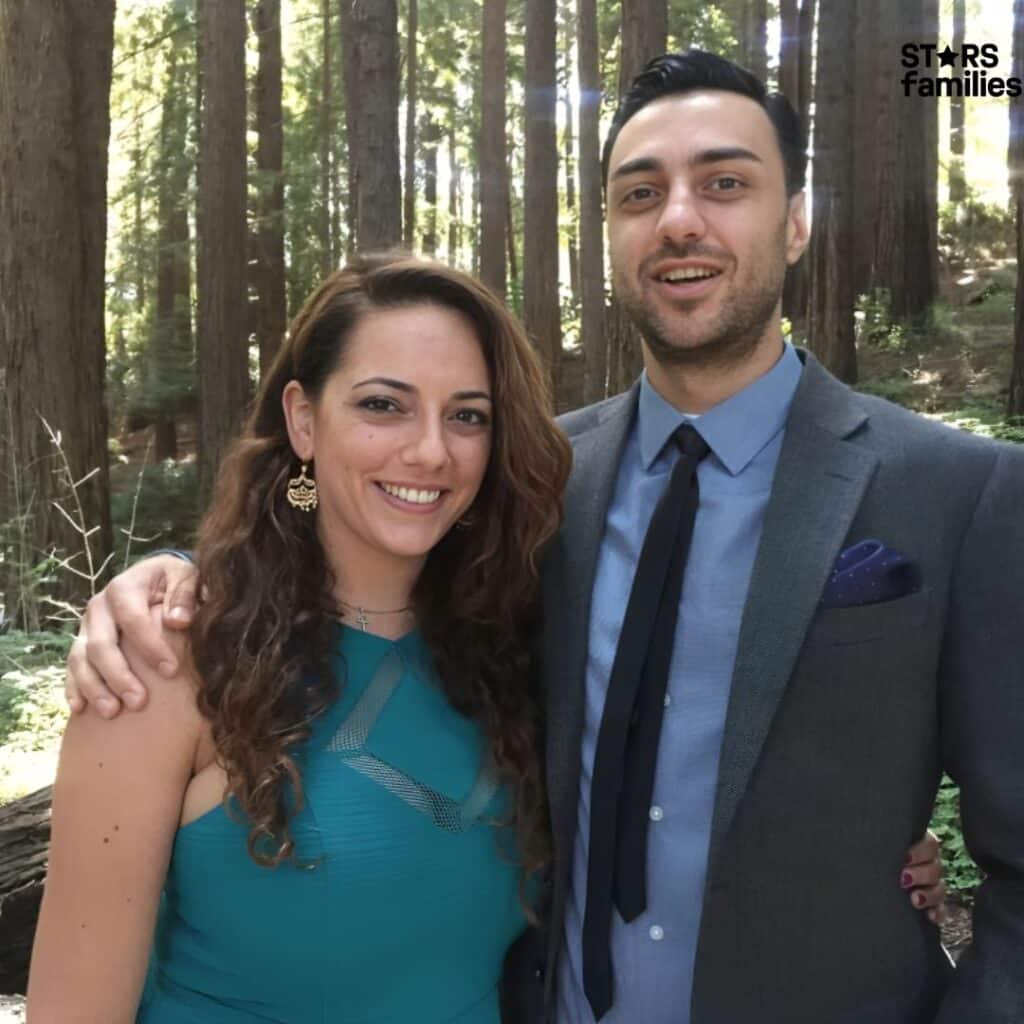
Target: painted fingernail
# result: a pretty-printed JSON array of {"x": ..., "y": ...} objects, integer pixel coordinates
[
  {"x": 132, "y": 698},
  {"x": 166, "y": 668},
  {"x": 918, "y": 899},
  {"x": 906, "y": 879}
]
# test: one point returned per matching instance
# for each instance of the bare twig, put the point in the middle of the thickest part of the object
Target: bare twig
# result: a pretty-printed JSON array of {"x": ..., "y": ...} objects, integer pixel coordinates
[{"x": 130, "y": 532}]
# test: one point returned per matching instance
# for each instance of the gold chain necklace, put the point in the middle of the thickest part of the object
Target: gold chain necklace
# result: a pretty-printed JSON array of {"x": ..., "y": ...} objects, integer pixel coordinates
[{"x": 362, "y": 621}]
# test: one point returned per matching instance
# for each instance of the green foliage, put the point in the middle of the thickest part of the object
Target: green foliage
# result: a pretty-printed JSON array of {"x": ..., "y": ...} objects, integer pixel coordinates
[
  {"x": 975, "y": 230},
  {"x": 306, "y": 206},
  {"x": 987, "y": 418},
  {"x": 877, "y": 328},
  {"x": 32, "y": 709},
  {"x": 164, "y": 505},
  {"x": 153, "y": 154},
  {"x": 704, "y": 25},
  {"x": 995, "y": 308},
  {"x": 875, "y": 325},
  {"x": 962, "y": 874}
]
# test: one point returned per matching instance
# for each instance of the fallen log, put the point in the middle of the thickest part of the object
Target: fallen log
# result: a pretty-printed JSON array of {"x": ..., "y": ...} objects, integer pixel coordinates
[{"x": 24, "y": 851}]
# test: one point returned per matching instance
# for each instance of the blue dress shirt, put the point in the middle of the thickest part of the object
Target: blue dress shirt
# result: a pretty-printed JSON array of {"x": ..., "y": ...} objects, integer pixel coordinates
[{"x": 653, "y": 956}]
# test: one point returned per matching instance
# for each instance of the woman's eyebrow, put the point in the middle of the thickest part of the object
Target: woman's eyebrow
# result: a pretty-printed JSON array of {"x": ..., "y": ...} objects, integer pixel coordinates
[
  {"x": 401, "y": 385},
  {"x": 388, "y": 382}
]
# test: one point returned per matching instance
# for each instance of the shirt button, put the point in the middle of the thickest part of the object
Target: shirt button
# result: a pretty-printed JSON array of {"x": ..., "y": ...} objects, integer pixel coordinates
[
  {"x": 656, "y": 813},
  {"x": 657, "y": 933},
  {"x": 668, "y": 699}
]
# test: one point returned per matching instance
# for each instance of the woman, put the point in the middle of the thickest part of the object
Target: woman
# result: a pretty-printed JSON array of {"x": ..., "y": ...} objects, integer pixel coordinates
[
  {"x": 437, "y": 477},
  {"x": 359, "y": 686}
]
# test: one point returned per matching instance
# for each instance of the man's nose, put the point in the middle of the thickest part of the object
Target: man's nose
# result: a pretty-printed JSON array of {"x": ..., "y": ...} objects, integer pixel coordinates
[{"x": 681, "y": 219}]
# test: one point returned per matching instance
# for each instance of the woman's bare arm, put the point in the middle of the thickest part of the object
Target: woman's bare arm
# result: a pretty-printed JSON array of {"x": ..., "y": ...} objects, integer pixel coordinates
[{"x": 116, "y": 806}]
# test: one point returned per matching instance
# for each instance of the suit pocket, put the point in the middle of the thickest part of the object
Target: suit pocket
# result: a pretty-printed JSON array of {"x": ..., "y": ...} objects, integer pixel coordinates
[{"x": 838, "y": 626}]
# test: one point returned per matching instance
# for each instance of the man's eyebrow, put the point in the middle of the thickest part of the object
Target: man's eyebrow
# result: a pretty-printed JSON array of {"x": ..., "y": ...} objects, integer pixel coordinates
[
  {"x": 638, "y": 166},
  {"x": 723, "y": 153},
  {"x": 648, "y": 164}
]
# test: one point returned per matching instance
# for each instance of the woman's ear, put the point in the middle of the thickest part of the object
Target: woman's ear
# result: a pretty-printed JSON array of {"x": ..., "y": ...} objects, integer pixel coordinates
[{"x": 298, "y": 414}]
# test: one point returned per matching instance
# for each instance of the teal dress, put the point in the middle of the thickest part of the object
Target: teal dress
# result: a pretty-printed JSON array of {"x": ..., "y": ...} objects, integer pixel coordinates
[{"x": 409, "y": 897}]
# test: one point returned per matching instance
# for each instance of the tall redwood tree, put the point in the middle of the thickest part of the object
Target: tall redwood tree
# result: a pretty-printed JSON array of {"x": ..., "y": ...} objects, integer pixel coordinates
[
  {"x": 541, "y": 312},
  {"x": 222, "y": 342},
  {"x": 55, "y": 73}
]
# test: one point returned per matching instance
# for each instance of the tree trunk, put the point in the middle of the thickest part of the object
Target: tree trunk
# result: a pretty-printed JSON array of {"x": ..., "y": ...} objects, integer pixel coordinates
[
  {"x": 272, "y": 314},
  {"x": 454, "y": 189},
  {"x": 409, "y": 218},
  {"x": 867, "y": 115},
  {"x": 957, "y": 185},
  {"x": 905, "y": 261},
  {"x": 570, "y": 199},
  {"x": 808, "y": 13},
  {"x": 541, "y": 311},
  {"x": 222, "y": 343},
  {"x": 493, "y": 163},
  {"x": 55, "y": 73},
  {"x": 592, "y": 300},
  {"x": 24, "y": 853},
  {"x": 431, "y": 139},
  {"x": 920, "y": 135},
  {"x": 1015, "y": 161},
  {"x": 757, "y": 13},
  {"x": 475, "y": 217},
  {"x": 644, "y": 35},
  {"x": 830, "y": 323},
  {"x": 170, "y": 350},
  {"x": 370, "y": 34},
  {"x": 138, "y": 222},
  {"x": 789, "y": 51},
  {"x": 510, "y": 241},
  {"x": 794, "y": 83},
  {"x": 325, "y": 146}
]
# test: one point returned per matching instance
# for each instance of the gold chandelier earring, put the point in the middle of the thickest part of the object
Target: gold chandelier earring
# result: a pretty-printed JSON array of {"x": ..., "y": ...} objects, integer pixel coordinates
[{"x": 302, "y": 491}]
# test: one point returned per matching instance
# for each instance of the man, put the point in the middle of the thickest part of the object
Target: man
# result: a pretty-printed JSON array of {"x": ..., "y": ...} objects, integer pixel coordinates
[{"x": 800, "y": 727}]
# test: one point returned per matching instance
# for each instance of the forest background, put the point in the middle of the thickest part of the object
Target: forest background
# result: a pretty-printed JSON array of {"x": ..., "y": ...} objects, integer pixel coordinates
[{"x": 176, "y": 175}]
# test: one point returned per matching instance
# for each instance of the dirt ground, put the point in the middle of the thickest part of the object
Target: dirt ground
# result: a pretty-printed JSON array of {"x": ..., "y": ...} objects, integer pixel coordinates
[{"x": 965, "y": 360}]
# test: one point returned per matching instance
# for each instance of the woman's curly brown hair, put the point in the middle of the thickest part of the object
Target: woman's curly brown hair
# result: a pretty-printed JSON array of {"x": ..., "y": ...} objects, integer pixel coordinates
[{"x": 261, "y": 639}]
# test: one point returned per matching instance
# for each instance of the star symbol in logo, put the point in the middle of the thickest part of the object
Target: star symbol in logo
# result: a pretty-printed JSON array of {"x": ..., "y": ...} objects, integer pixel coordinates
[{"x": 947, "y": 58}]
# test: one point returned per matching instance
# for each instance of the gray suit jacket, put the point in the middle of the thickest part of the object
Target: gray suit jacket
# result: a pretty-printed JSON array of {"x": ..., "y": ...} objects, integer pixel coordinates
[{"x": 839, "y": 725}]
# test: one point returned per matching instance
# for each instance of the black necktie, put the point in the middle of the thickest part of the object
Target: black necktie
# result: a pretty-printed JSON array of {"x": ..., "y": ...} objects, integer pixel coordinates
[{"x": 627, "y": 742}]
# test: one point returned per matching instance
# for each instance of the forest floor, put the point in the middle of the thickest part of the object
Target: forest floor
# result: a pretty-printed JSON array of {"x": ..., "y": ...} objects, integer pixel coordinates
[{"x": 958, "y": 370}]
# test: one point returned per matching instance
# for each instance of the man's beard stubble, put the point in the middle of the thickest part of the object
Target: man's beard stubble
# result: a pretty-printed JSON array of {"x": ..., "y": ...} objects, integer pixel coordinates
[{"x": 735, "y": 335}]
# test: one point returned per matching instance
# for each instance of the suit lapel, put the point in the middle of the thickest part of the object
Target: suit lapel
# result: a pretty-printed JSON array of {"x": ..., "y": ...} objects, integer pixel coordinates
[
  {"x": 819, "y": 482},
  {"x": 568, "y": 582}
]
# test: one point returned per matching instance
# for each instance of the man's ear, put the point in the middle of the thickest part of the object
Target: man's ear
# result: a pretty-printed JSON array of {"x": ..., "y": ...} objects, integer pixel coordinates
[
  {"x": 298, "y": 414},
  {"x": 797, "y": 230}
]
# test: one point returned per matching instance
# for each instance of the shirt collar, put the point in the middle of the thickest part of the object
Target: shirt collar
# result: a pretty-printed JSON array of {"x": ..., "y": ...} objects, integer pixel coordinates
[{"x": 736, "y": 429}]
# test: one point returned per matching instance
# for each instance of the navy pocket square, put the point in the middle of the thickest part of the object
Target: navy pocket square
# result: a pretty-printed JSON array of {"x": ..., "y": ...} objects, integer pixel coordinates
[{"x": 869, "y": 573}]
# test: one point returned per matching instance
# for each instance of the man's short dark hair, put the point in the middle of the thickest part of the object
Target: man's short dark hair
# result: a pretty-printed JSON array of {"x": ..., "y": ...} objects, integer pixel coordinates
[{"x": 674, "y": 73}]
